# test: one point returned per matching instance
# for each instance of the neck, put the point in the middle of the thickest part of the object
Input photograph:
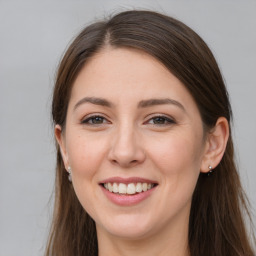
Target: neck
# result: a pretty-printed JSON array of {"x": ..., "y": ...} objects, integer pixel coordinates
[{"x": 171, "y": 241}]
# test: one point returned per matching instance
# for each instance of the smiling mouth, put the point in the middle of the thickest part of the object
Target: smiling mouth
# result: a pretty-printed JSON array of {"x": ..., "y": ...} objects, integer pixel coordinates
[{"x": 128, "y": 189}]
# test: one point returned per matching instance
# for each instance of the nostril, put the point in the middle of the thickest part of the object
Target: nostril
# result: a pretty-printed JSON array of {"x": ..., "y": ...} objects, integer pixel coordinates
[
  {"x": 124, "y": 163},
  {"x": 114, "y": 161}
]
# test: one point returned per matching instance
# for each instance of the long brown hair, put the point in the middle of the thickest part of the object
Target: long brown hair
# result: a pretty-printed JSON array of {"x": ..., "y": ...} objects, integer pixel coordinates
[{"x": 216, "y": 225}]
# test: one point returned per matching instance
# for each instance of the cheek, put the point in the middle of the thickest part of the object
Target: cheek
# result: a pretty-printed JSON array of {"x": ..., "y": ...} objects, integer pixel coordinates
[
  {"x": 85, "y": 158},
  {"x": 85, "y": 153},
  {"x": 178, "y": 161},
  {"x": 177, "y": 155}
]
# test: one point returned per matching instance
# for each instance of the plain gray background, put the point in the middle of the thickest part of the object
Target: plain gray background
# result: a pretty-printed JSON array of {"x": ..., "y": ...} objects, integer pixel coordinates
[{"x": 33, "y": 36}]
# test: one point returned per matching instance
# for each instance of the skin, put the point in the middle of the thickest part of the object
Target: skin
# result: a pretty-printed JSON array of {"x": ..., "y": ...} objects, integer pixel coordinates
[{"x": 127, "y": 142}]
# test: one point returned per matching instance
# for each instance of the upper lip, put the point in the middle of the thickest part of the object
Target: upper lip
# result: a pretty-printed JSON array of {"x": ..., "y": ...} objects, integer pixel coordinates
[{"x": 127, "y": 180}]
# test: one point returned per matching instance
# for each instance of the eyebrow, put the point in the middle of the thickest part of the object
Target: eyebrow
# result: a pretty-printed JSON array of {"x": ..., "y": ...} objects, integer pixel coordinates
[
  {"x": 95, "y": 101},
  {"x": 141, "y": 104},
  {"x": 154, "y": 102}
]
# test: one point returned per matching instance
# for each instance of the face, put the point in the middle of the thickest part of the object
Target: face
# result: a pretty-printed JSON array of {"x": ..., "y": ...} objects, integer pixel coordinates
[{"x": 135, "y": 143}]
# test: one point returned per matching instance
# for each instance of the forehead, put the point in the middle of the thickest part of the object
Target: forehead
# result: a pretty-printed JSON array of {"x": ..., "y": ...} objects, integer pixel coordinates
[{"x": 126, "y": 74}]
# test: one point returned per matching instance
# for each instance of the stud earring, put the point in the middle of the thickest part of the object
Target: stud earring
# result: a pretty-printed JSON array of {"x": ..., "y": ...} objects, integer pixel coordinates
[
  {"x": 210, "y": 170},
  {"x": 69, "y": 174}
]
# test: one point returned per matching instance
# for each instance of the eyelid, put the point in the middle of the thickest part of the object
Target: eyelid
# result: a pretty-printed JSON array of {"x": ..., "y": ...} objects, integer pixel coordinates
[
  {"x": 87, "y": 118},
  {"x": 168, "y": 118}
]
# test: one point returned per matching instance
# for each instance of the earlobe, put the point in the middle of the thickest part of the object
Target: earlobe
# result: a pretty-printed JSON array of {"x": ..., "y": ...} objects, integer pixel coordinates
[
  {"x": 216, "y": 145},
  {"x": 61, "y": 142}
]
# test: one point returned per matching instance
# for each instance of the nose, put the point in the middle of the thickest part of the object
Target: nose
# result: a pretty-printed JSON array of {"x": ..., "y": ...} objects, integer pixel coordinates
[{"x": 126, "y": 149}]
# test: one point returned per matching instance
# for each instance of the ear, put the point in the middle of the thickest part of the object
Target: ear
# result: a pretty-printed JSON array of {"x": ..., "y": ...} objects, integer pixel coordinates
[
  {"x": 215, "y": 145},
  {"x": 60, "y": 139}
]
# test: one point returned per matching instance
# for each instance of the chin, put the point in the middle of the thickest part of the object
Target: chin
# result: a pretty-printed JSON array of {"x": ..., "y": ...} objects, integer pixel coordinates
[{"x": 128, "y": 227}]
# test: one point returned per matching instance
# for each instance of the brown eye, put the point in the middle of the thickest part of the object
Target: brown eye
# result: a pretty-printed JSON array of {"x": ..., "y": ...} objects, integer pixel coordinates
[
  {"x": 97, "y": 120},
  {"x": 94, "y": 120},
  {"x": 161, "y": 120}
]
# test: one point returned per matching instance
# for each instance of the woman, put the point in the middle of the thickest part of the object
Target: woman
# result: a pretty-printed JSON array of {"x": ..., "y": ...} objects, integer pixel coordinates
[{"x": 145, "y": 160}]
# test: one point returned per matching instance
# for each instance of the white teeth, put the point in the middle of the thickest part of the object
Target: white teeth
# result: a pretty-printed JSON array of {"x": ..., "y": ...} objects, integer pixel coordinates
[
  {"x": 139, "y": 187},
  {"x": 122, "y": 188},
  {"x": 130, "y": 189},
  {"x": 110, "y": 187},
  {"x": 144, "y": 187},
  {"x": 115, "y": 188}
]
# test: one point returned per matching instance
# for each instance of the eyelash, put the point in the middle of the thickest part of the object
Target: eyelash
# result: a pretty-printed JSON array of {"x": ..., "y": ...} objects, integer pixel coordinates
[
  {"x": 89, "y": 120},
  {"x": 167, "y": 120}
]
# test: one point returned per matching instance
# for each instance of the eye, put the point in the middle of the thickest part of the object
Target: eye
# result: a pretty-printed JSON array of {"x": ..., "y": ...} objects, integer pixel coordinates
[
  {"x": 161, "y": 120},
  {"x": 95, "y": 120}
]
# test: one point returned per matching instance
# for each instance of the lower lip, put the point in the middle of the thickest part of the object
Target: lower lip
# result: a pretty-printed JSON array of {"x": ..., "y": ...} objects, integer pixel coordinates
[{"x": 127, "y": 200}]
